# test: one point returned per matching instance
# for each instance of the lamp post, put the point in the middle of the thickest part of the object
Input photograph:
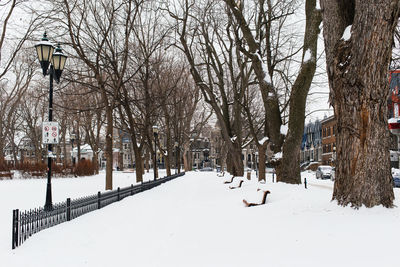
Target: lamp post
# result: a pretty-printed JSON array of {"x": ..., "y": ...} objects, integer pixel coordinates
[
  {"x": 56, "y": 61},
  {"x": 72, "y": 138},
  {"x": 176, "y": 156},
  {"x": 155, "y": 133}
]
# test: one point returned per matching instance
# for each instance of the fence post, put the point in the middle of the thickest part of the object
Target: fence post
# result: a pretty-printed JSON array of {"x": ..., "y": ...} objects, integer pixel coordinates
[
  {"x": 305, "y": 183},
  {"x": 98, "y": 200},
  {"x": 131, "y": 189},
  {"x": 15, "y": 229},
  {"x": 118, "y": 196},
  {"x": 68, "y": 209}
]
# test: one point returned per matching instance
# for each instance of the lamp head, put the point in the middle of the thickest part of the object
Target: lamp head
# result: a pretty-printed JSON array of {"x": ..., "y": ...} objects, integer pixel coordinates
[
  {"x": 44, "y": 51},
  {"x": 58, "y": 61}
]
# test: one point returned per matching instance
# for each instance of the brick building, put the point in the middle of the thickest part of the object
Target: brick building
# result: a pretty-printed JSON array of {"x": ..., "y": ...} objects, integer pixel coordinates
[{"x": 328, "y": 126}]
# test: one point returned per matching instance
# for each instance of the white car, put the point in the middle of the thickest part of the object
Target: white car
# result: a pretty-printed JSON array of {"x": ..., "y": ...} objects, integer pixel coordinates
[{"x": 324, "y": 172}]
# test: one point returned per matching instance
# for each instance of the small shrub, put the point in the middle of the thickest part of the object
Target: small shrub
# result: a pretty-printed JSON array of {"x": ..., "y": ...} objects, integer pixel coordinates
[
  {"x": 84, "y": 168},
  {"x": 4, "y": 167}
]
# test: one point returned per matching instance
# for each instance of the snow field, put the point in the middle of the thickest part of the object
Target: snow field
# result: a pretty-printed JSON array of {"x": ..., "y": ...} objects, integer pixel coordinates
[{"x": 196, "y": 220}]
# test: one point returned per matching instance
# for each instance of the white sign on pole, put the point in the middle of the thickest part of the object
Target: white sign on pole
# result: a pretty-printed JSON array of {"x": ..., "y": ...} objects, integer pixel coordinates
[{"x": 50, "y": 132}]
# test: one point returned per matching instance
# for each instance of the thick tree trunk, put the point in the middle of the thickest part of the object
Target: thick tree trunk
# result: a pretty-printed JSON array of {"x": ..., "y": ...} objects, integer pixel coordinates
[
  {"x": 1, "y": 151},
  {"x": 147, "y": 159},
  {"x": 262, "y": 159},
  {"x": 179, "y": 161},
  {"x": 139, "y": 166},
  {"x": 187, "y": 161},
  {"x": 78, "y": 141},
  {"x": 168, "y": 164},
  {"x": 109, "y": 148},
  {"x": 357, "y": 70},
  {"x": 288, "y": 170},
  {"x": 64, "y": 151},
  {"x": 96, "y": 161},
  {"x": 234, "y": 160}
]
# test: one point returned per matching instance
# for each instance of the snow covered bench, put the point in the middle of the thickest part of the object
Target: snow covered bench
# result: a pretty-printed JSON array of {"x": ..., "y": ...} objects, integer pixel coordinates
[{"x": 264, "y": 199}]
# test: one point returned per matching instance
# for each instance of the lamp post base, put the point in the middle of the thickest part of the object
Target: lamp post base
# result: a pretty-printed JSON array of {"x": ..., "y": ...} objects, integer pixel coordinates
[{"x": 48, "y": 206}]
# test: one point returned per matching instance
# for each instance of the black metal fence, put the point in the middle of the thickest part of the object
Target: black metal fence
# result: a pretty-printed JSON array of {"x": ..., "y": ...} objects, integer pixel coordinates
[{"x": 29, "y": 222}]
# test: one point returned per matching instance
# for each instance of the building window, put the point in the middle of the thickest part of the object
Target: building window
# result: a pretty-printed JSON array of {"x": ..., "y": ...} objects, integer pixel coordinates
[{"x": 329, "y": 131}]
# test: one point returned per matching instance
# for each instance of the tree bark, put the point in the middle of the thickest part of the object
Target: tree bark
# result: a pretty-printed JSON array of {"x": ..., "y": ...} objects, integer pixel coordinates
[
  {"x": 139, "y": 166},
  {"x": 109, "y": 146},
  {"x": 187, "y": 157},
  {"x": 357, "y": 71},
  {"x": 262, "y": 158},
  {"x": 289, "y": 169}
]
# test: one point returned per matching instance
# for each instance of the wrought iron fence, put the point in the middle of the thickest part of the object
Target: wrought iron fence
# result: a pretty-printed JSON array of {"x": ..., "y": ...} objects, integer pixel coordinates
[{"x": 28, "y": 222}]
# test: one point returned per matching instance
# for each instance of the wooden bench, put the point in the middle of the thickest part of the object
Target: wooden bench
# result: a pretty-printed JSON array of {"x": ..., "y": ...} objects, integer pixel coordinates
[
  {"x": 6, "y": 175},
  {"x": 37, "y": 174}
]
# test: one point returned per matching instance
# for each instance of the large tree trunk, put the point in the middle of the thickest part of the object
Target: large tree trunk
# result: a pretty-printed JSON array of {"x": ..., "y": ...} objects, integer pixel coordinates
[
  {"x": 1, "y": 151},
  {"x": 96, "y": 161},
  {"x": 147, "y": 160},
  {"x": 168, "y": 164},
  {"x": 357, "y": 70},
  {"x": 262, "y": 158},
  {"x": 139, "y": 165},
  {"x": 289, "y": 169},
  {"x": 178, "y": 163},
  {"x": 234, "y": 160},
  {"x": 187, "y": 157},
  {"x": 109, "y": 147}
]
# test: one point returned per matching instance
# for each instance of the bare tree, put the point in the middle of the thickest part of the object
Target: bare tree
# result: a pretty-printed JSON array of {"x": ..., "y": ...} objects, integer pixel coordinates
[
  {"x": 32, "y": 111},
  {"x": 15, "y": 69},
  {"x": 217, "y": 67},
  {"x": 251, "y": 43},
  {"x": 99, "y": 33}
]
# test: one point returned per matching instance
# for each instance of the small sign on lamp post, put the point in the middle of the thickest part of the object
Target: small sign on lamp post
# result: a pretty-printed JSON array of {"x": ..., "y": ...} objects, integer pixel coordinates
[{"x": 50, "y": 132}]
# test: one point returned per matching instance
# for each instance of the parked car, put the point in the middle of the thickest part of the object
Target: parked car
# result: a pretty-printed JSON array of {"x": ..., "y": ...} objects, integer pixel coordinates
[
  {"x": 324, "y": 172},
  {"x": 396, "y": 180},
  {"x": 206, "y": 169}
]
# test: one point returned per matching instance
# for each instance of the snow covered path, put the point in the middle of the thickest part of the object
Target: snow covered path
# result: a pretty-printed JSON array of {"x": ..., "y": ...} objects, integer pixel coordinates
[{"x": 196, "y": 220}]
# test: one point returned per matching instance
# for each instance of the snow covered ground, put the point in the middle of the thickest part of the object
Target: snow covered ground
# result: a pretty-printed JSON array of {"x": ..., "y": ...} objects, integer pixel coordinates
[{"x": 196, "y": 220}]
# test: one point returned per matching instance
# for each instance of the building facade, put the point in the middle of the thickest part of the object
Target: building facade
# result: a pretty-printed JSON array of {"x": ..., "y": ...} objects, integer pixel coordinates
[
  {"x": 311, "y": 146},
  {"x": 328, "y": 140}
]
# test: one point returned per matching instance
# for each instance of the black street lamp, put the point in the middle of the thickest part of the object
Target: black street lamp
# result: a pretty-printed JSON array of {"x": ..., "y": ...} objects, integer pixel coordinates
[
  {"x": 176, "y": 156},
  {"x": 155, "y": 133},
  {"x": 56, "y": 61}
]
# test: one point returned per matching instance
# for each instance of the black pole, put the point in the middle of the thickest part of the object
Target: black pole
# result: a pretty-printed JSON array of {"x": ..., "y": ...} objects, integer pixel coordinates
[
  {"x": 155, "y": 156},
  {"x": 49, "y": 203},
  {"x": 176, "y": 159}
]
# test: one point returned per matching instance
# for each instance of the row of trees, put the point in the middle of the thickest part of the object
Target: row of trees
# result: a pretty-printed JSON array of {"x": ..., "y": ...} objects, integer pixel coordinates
[{"x": 134, "y": 64}]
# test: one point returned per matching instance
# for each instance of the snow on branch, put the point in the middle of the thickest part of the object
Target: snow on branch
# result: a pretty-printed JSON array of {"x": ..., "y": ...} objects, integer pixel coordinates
[
  {"x": 267, "y": 78},
  {"x": 262, "y": 141}
]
